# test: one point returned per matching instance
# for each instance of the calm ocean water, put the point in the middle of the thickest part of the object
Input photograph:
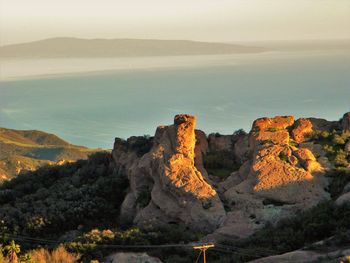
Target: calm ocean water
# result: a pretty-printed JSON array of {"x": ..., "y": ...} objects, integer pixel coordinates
[{"x": 92, "y": 109}]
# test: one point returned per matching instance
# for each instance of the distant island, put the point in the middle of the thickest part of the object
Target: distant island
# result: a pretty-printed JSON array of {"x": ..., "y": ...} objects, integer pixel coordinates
[{"x": 81, "y": 48}]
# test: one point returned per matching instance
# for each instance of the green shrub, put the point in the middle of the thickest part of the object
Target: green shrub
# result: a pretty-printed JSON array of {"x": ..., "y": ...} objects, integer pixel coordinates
[
  {"x": 220, "y": 163},
  {"x": 272, "y": 129},
  {"x": 283, "y": 157}
]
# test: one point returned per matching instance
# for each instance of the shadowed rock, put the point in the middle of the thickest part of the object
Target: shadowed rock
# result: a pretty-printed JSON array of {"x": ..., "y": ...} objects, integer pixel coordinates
[{"x": 346, "y": 122}]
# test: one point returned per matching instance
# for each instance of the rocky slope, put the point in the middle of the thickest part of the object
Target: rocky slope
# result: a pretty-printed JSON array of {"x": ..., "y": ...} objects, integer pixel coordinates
[
  {"x": 229, "y": 185},
  {"x": 27, "y": 150}
]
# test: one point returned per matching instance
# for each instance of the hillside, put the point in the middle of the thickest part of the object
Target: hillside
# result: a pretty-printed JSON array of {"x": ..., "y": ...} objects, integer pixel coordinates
[
  {"x": 283, "y": 187},
  {"x": 89, "y": 48},
  {"x": 27, "y": 150}
]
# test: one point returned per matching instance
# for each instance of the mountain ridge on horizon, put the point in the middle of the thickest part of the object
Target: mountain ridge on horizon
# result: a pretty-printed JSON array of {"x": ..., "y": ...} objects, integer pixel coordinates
[{"x": 123, "y": 47}]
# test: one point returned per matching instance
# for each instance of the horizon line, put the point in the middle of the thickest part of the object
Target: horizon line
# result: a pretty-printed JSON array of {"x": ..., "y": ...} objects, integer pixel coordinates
[{"x": 176, "y": 39}]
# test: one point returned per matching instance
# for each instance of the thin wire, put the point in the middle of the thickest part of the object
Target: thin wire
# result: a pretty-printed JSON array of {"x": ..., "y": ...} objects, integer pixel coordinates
[
  {"x": 46, "y": 241},
  {"x": 200, "y": 253}
]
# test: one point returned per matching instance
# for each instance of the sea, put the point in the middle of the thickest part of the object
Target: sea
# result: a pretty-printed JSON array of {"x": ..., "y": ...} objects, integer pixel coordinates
[{"x": 91, "y": 101}]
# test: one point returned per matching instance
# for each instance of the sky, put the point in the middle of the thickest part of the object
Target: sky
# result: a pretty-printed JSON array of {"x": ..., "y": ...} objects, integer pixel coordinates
[{"x": 204, "y": 20}]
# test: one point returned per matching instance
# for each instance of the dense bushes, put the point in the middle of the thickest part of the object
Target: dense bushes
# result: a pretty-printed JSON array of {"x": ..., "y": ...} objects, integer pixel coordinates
[
  {"x": 139, "y": 144},
  {"x": 220, "y": 163},
  {"x": 333, "y": 143},
  {"x": 55, "y": 199},
  {"x": 96, "y": 243}
]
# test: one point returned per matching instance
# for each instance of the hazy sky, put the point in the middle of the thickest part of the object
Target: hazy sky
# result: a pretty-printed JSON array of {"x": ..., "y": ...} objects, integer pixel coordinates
[{"x": 208, "y": 20}]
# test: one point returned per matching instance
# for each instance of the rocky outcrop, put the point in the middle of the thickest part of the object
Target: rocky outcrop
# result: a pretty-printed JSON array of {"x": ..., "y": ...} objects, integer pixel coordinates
[
  {"x": 166, "y": 186},
  {"x": 303, "y": 129},
  {"x": 282, "y": 171},
  {"x": 346, "y": 122},
  {"x": 281, "y": 179}
]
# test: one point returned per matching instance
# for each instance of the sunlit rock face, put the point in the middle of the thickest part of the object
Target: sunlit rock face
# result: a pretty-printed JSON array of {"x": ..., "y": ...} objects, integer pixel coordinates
[
  {"x": 282, "y": 178},
  {"x": 284, "y": 173},
  {"x": 281, "y": 171},
  {"x": 166, "y": 187},
  {"x": 302, "y": 130}
]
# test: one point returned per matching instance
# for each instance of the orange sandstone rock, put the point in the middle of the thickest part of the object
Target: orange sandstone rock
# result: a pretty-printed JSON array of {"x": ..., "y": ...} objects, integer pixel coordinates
[
  {"x": 277, "y": 123},
  {"x": 302, "y": 130}
]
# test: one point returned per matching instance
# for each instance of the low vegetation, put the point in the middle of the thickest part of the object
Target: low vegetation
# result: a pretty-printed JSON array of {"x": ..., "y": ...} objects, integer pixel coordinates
[
  {"x": 55, "y": 199},
  {"x": 333, "y": 144},
  {"x": 138, "y": 144},
  {"x": 22, "y": 151},
  {"x": 220, "y": 164}
]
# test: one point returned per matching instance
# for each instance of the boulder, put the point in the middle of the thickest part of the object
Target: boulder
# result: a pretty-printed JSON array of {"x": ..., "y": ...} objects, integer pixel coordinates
[
  {"x": 276, "y": 123},
  {"x": 302, "y": 130},
  {"x": 343, "y": 199},
  {"x": 270, "y": 130}
]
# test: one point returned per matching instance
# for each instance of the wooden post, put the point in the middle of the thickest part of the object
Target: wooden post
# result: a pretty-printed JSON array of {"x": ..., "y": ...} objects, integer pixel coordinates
[{"x": 204, "y": 248}]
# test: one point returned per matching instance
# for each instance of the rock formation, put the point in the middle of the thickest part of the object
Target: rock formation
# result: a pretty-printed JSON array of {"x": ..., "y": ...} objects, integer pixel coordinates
[
  {"x": 280, "y": 178},
  {"x": 281, "y": 171},
  {"x": 303, "y": 129},
  {"x": 178, "y": 191}
]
